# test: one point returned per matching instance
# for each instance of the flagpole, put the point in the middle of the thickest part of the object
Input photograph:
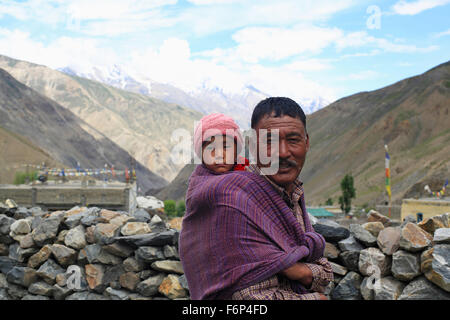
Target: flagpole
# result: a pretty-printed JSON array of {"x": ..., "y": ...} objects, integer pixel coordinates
[{"x": 388, "y": 177}]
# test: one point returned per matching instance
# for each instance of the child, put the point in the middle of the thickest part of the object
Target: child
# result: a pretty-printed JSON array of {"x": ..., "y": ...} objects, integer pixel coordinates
[{"x": 218, "y": 141}]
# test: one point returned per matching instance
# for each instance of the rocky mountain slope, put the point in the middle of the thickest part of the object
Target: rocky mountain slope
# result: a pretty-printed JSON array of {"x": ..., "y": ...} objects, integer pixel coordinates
[
  {"x": 207, "y": 98},
  {"x": 348, "y": 136},
  {"x": 137, "y": 123},
  {"x": 14, "y": 150},
  {"x": 410, "y": 116},
  {"x": 63, "y": 136}
]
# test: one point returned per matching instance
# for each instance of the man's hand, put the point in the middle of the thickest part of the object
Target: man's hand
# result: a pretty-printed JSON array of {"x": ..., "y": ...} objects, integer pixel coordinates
[
  {"x": 322, "y": 296},
  {"x": 300, "y": 272}
]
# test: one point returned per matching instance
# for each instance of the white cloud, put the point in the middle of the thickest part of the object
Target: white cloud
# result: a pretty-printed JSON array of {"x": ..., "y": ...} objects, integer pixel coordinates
[
  {"x": 62, "y": 52},
  {"x": 204, "y": 20},
  {"x": 442, "y": 34},
  {"x": 363, "y": 39},
  {"x": 415, "y": 7},
  {"x": 255, "y": 44}
]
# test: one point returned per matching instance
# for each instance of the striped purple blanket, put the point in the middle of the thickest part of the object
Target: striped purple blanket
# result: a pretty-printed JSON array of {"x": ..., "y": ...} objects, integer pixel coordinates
[{"x": 238, "y": 231}]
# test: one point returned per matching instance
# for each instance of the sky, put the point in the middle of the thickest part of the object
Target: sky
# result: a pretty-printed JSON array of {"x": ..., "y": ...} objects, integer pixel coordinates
[{"x": 296, "y": 48}]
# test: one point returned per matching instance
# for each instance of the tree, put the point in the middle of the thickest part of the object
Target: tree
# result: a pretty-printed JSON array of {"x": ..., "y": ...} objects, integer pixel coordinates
[
  {"x": 329, "y": 202},
  {"x": 170, "y": 207},
  {"x": 181, "y": 208},
  {"x": 348, "y": 193}
]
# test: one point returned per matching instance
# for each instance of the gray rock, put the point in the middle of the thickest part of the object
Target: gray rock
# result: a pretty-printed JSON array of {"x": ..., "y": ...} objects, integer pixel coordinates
[
  {"x": 350, "y": 244},
  {"x": 4, "y": 249},
  {"x": 157, "y": 224},
  {"x": 183, "y": 281},
  {"x": 46, "y": 231},
  {"x": 3, "y": 282},
  {"x": 442, "y": 235},
  {"x": 6, "y": 264},
  {"x": 21, "y": 226},
  {"x": 119, "y": 249},
  {"x": 5, "y": 224},
  {"x": 49, "y": 270},
  {"x": 388, "y": 240},
  {"x": 149, "y": 254},
  {"x": 22, "y": 276},
  {"x": 440, "y": 267},
  {"x": 331, "y": 251},
  {"x": 150, "y": 286},
  {"x": 37, "y": 212},
  {"x": 145, "y": 274},
  {"x": 405, "y": 265},
  {"x": 362, "y": 235},
  {"x": 33, "y": 297},
  {"x": 151, "y": 239},
  {"x": 41, "y": 288},
  {"x": 16, "y": 292},
  {"x": 64, "y": 255},
  {"x": 422, "y": 289},
  {"x": 348, "y": 288},
  {"x": 141, "y": 215},
  {"x": 350, "y": 260},
  {"x": 367, "y": 291},
  {"x": 132, "y": 264},
  {"x": 408, "y": 219},
  {"x": 20, "y": 254},
  {"x": 94, "y": 253},
  {"x": 373, "y": 260},
  {"x": 4, "y": 295},
  {"x": 172, "y": 266},
  {"x": 338, "y": 269},
  {"x": 170, "y": 252},
  {"x": 414, "y": 239},
  {"x": 112, "y": 274},
  {"x": 86, "y": 296},
  {"x": 60, "y": 293},
  {"x": 389, "y": 288},
  {"x": 75, "y": 238},
  {"x": 331, "y": 231},
  {"x": 117, "y": 294},
  {"x": 21, "y": 213}
]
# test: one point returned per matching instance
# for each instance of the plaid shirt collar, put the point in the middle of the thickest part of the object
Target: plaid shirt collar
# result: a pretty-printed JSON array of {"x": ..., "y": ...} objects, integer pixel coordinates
[{"x": 290, "y": 199}]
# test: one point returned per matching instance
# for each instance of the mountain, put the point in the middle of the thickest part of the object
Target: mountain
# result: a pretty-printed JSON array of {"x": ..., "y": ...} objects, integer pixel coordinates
[
  {"x": 16, "y": 152},
  {"x": 410, "y": 116},
  {"x": 206, "y": 99},
  {"x": 348, "y": 136},
  {"x": 64, "y": 137},
  {"x": 139, "y": 124},
  {"x": 177, "y": 188}
]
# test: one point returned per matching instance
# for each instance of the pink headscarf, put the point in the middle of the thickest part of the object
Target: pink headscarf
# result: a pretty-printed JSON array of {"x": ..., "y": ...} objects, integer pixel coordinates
[{"x": 216, "y": 124}]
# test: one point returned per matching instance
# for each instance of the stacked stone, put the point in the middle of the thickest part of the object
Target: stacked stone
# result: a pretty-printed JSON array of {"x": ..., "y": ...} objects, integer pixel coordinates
[
  {"x": 88, "y": 254},
  {"x": 384, "y": 260}
]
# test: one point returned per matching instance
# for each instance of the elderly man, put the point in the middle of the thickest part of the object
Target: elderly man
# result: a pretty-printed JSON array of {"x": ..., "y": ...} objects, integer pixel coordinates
[{"x": 247, "y": 235}]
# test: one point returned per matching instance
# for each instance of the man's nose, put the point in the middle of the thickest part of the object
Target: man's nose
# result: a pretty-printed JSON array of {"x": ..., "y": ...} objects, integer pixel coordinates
[{"x": 283, "y": 149}]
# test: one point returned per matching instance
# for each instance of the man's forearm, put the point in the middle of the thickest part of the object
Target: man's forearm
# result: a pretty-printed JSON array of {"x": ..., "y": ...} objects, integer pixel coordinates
[{"x": 300, "y": 272}]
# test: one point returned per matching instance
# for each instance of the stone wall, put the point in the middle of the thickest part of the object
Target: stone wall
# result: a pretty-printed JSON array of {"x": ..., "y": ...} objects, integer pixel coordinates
[
  {"x": 121, "y": 256},
  {"x": 381, "y": 260},
  {"x": 88, "y": 254}
]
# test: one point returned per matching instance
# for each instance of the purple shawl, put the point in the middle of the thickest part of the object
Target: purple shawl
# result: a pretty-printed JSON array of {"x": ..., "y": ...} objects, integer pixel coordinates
[{"x": 238, "y": 231}]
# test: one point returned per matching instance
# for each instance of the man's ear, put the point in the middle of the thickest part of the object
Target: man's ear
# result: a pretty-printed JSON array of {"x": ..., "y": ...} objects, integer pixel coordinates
[{"x": 307, "y": 142}]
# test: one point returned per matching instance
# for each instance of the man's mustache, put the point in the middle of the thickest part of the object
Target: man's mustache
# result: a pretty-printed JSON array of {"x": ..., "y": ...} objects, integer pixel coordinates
[{"x": 285, "y": 163}]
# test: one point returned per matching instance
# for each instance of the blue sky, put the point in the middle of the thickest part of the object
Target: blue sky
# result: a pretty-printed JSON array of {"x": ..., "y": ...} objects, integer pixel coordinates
[{"x": 296, "y": 48}]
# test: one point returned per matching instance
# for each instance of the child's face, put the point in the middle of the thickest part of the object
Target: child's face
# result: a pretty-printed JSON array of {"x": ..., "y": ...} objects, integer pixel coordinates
[{"x": 219, "y": 154}]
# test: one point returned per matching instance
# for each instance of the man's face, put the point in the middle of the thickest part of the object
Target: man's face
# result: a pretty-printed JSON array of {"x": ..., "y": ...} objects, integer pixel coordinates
[{"x": 292, "y": 148}]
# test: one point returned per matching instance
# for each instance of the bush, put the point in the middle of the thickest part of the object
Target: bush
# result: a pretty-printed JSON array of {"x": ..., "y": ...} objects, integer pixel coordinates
[
  {"x": 181, "y": 208},
  {"x": 170, "y": 208},
  {"x": 21, "y": 177}
]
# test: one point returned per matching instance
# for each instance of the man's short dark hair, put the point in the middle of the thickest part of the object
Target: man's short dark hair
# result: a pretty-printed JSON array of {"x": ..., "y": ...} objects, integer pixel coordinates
[{"x": 277, "y": 107}]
